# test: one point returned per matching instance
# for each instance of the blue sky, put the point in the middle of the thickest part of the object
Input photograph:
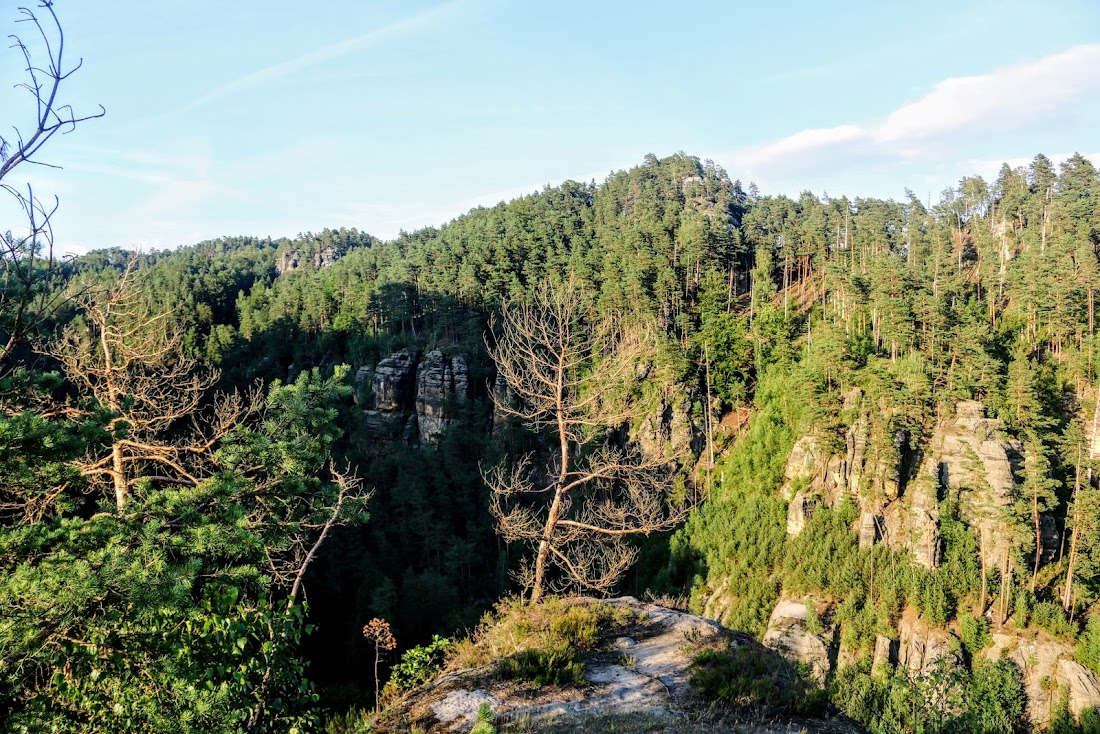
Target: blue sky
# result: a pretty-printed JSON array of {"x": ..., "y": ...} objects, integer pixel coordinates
[{"x": 274, "y": 118}]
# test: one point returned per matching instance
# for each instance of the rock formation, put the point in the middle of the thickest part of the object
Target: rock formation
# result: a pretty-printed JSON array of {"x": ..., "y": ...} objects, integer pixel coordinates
[
  {"x": 439, "y": 381},
  {"x": 789, "y": 635},
  {"x": 641, "y": 671}
]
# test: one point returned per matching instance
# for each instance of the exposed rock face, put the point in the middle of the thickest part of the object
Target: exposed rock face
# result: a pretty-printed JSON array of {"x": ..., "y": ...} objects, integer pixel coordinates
[
  {"x": 885, "y": 654},
  {"x": 922, "y": 649},
  {"x": 1082, "y": 685},
  {"x": 502, "y": 395},
  {"x": 386, "y": 404},
  {"x": 799, "y": 511},
  {"x": 672, "y": 429},
  {"x": 805, "y": 460},
  {"x": 288, "y": 261},
  {"x": 645, "y": 673},
  {"x": 292, "y": 260},
  {"x": 393, "y": 381},
  {"x": 788, "y": 635},
  {"x": 967, "y": 458},
  {"x": 1046, "y": 668},
  {"x": 976, "y": 464},
  {"x": 439, "y": 380},
  {"x": 913, "y": 523}
]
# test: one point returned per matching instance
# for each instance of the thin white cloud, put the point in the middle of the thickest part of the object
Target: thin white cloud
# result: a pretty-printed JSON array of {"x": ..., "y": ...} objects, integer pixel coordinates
[
  {"x": 1012, "y": 96},
  {"x": 329, "y": 52},
  {"x": 955, "y": 110}
]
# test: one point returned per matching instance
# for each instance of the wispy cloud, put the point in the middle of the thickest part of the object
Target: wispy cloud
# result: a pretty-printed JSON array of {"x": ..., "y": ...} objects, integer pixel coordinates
[
  {"x": 330, "y": 52},
  {"x": 954, "y": 111}
]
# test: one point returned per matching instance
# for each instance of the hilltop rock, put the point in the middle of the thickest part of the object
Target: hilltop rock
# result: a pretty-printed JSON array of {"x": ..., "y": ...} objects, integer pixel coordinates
[
  {"x": 641, "y": 669},
  {"x": 292, "y": 260}
]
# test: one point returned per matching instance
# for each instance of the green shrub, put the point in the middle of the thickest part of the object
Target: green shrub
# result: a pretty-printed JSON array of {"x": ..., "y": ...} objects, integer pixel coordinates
[
  {"x": 745, "y": 678},
  {"x": 578, "y": 627},
  {"x": 1049, "y": 616},
  {"x": 419, "y": 664},
  {"x": 484, "y": 722},
  {"x": 974, "y": 633},
  {"x": 1088, "y": 647},
  {"x": 557, "y": 666},
  {"x": 1090, "y": 721}
]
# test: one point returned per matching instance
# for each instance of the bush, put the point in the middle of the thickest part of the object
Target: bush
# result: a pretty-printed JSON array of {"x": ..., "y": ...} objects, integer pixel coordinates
[
  {"x": 557, "y": 666},
  {"x": 1090, "y": 721},
  {"x": 1049, "y": 616},
  {"x": 1088, "y": 647},
  {"x": 974, "y": 633},
  {"x": 484, "y": 722},
  {"x": 746, "y": 678},
  {"x": 418, "y": 665}
]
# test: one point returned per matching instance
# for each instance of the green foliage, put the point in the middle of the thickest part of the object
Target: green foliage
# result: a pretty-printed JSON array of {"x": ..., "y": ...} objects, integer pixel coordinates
[
  {"x": 555, "y": 666},
  {"x": 1088, "y": 646},
  {"x": 754, "y": 679},
  {"x": 483, "y": 724},
  {"x": 1090, "y": 721},
  {"x": 1050, "y": 616},
  {"x": 944, "y": 700},
  {"x": 419, "y": 664},
  {"x": 974, "y": 633}
]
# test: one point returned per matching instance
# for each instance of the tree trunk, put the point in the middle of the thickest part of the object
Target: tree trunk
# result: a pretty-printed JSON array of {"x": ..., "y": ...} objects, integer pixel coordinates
[{"x": 118, "y": 475}]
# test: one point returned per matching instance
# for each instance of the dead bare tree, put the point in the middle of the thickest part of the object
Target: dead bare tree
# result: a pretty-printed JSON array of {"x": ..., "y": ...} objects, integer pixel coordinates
[
  {"x": 577, "y": 508},
  {"x": 29, "y": 270},
  {"x": 131, "y": 361}
]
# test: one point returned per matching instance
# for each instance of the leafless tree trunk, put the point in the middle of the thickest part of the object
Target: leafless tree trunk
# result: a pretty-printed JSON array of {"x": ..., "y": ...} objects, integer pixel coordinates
[{"x": 562, "y": 373}]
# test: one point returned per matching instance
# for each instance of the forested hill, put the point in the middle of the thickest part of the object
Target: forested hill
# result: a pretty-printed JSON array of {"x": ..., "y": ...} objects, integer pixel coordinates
[{"x": 886, "y": 411}]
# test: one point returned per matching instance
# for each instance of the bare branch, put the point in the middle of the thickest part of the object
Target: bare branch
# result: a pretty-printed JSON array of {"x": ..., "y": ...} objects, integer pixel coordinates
[{"x": 566, "y": 376}]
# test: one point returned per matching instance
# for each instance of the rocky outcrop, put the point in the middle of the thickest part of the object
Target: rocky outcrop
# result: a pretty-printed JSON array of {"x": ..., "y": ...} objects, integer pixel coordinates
[
  {"x": 923, "y": 649},
  {"x": 914, "y": 522},
  {"x": 799, "y": 510},
  {"x": 789, "y": 635},
  {"x": 440, "y": 380},
  {"x": 1048, "y": 671},
  {"x": 968, "y": 458},
  {"x": 502, "y": 395},
  {"x": 293, "y": 259},
  {"x": 670, "y": 430},
  {"x": 1082, "y": 686},
  {"x": 392, "y": 382},
  {"x": 976, "y": 464},
  {"x": 886, "y": 653},
  {"x": 641, "y": 671}
]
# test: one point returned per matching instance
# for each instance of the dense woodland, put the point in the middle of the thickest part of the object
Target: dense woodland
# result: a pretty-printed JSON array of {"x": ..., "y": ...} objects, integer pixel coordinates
[{"x": 222, "y": 380}]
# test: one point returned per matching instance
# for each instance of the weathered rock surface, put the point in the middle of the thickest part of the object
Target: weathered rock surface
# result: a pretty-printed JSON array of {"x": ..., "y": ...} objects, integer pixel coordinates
[
  {"x": 789, "y": 636},
  {"x": 799, "y": 511},
  {"x": 922, "y": 649},
  {"x": 1047, "y": 669},
  {"x": 976, "y": 464},
  {"x": 646, "y": 673},
  {"x": 440, "y": 379},
  {"x": 393, "y": 381},
  {"x": 885, "y": 655},
  {"x": 1082, "y": 685},
  {"x": 671, "y": 430},
  {"x": 292, "y": 260}
]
